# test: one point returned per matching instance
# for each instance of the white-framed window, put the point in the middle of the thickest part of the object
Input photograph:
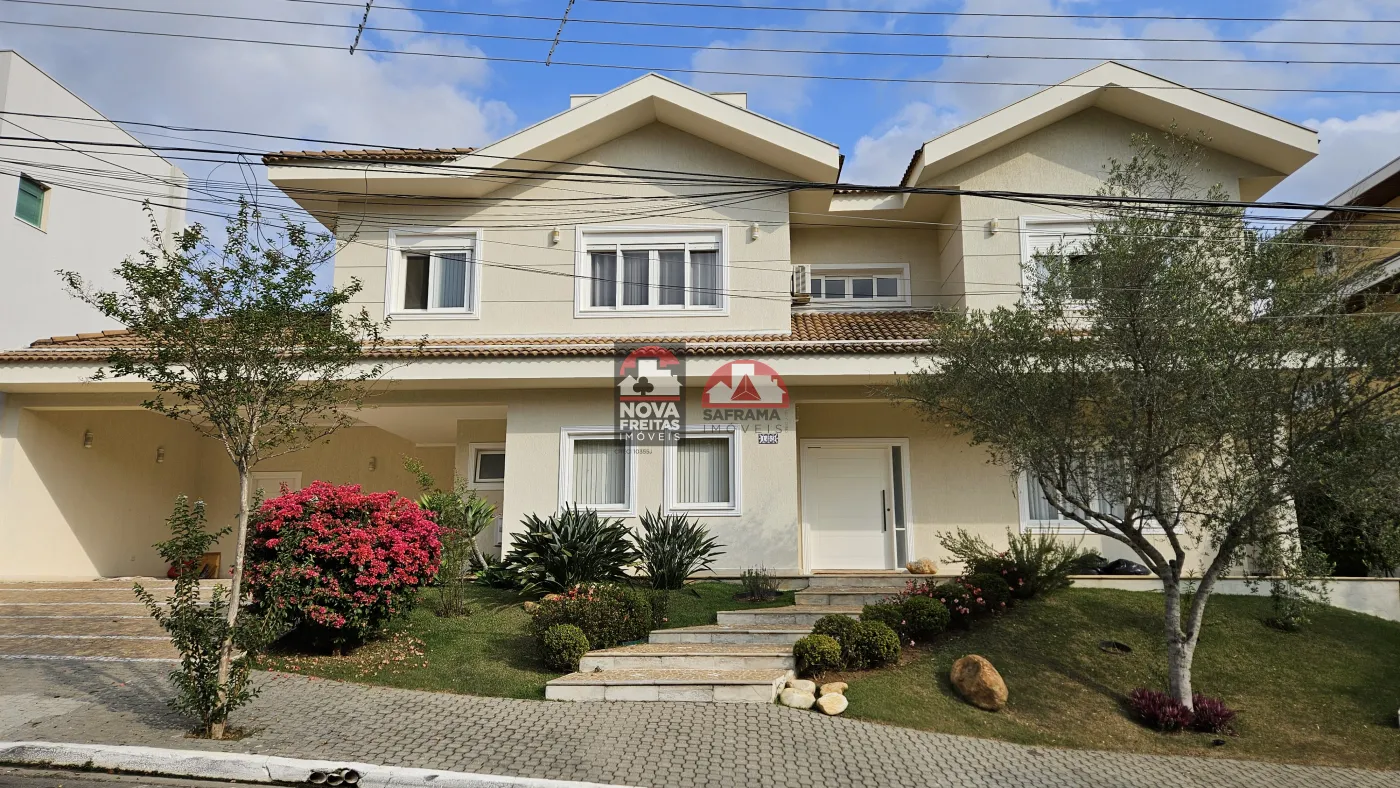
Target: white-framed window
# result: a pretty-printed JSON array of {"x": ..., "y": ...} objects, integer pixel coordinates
[
  {"x": 597, "y": 470},
  {"x": 1038, "y": 514},
  {"x": 652, "y": 270},
  {"x": 488, "y": 465},
  {"x": 852, "y": 287},
  {"x": 1065, "y": 235},
  {"x": 701, "y": 471},
  {"x": 434, "y": 274}
]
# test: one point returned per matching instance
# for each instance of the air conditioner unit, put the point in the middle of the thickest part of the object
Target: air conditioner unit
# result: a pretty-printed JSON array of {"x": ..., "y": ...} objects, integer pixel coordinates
[{"x": 801, "y": 284}]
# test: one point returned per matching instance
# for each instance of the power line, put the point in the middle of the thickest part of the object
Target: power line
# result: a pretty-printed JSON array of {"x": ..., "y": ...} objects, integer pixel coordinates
[
  {"x": 556, "y": 41},
  {"x": 996, "y": 15},
  {"x": 815, "y": 31},
  {"x": 675, "y": 70}
]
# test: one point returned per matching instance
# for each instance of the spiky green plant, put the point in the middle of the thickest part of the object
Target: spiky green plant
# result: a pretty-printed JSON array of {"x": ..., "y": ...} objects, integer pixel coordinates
[
  {"x": 570, "y": 548},
  {"x": 672, "y": 547}
]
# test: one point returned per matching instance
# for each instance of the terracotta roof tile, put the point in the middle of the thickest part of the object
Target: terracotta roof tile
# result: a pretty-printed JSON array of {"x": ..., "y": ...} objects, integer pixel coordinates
[
  {"x": 812, "y": 333},
  {"x": 372, "y": 154}
]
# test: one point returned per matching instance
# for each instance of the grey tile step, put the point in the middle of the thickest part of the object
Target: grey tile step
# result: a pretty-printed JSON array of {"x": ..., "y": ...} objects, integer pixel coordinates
[
  {"x": 855, "y": 597},
  {"x": 696, "y": 686},
  {"x": 757, "y": 634},
  {"x": 690, "y": 656},
  {"x": 861, "y": 580},
  {"x": 792, "y": 615}
]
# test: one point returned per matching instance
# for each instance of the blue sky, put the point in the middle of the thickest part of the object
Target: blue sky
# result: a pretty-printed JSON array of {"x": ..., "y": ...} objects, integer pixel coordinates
[{"x": 475, "y": 97}]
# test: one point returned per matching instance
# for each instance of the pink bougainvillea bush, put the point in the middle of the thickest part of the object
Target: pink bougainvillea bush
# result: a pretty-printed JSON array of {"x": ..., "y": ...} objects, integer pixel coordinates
[{"x": 340, "y": 562}]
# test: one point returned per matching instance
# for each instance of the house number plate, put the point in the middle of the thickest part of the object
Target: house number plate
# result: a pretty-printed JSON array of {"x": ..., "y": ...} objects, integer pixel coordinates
[{"x": 768, "y": 438}]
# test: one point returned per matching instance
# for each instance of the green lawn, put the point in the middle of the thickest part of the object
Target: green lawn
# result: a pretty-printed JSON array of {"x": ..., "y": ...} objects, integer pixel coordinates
[
  {"x": 1326, "y": 695},
  {"x": 488, "y": 652}
]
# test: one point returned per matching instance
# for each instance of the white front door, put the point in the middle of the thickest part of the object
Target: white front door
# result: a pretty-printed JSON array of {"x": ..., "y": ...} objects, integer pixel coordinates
[
  {"x": 271, "y": 483},
  {"x": 846, "y": 503}
]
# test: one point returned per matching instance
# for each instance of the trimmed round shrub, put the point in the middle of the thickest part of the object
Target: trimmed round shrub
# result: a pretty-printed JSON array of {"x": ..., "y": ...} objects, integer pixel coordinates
[
  {"x": 990, "y": 591},
  {"x": 873, "y": 645},
  {"x": 891, "y": 614},
  {"x": 340, "y": 562},
  {"x": 817, "y": 654},
  {"x": 607, "y": 614},
  {"x": 563, "y": 645},
  {"x": 924, "y": 618},
  {"x": 842, "y": 629}
]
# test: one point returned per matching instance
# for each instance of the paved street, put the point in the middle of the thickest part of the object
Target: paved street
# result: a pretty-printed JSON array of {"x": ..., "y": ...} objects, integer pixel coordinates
[
  {"x": 649, "y": 744},
  {"x": 57, "y": 778}
]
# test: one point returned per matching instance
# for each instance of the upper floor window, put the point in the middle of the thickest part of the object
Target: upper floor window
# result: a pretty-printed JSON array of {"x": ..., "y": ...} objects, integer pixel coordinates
[
  {"x": 1066, "y": 236},
  {"x": 860, "y": 286},
  {"x": 31, "y": 203},
  {"x": 434, "y": 274},
  {"x": 652, "y": 270}
]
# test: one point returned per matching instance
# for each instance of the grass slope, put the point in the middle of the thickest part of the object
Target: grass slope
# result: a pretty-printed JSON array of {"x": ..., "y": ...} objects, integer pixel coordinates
[
  {"x": 488, "y": 652},
  {"x": 1326, "y": 695}
]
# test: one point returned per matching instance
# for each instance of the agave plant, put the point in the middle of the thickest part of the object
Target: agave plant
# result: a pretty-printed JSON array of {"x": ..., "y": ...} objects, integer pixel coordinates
[
  {"x": 571, "y": 548},
  {"x": 672, "y": 548}
]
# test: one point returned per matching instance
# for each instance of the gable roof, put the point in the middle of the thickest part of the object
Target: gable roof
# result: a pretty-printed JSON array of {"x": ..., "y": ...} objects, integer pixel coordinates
[
  {"x": 373, "y": 154},
  {"x": 1249, "y": 134},
  {"x": 648, "y": 99},
  {"x": 1373, "y": 191}
]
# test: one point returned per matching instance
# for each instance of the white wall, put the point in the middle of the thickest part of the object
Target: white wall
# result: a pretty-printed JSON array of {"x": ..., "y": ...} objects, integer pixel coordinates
[{"x": 86, "y": 232}]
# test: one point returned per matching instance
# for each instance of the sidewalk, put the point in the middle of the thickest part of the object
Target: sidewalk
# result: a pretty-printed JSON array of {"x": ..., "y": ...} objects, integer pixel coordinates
[{"x": 646, "y": 744}]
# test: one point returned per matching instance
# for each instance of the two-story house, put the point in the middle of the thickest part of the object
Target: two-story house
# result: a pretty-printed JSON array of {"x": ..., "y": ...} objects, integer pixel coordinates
[{"x": 651, "y": 214}]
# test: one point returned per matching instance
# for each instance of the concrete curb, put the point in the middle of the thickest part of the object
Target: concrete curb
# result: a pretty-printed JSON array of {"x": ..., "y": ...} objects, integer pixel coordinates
[{"x": 249, "y": 768}]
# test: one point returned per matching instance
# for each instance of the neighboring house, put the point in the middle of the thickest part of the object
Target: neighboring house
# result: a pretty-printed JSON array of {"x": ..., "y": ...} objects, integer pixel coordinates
[
  {"x": 75, "y": 207},
  {"x": 526, "y": 261},
  {"x": 1354, "y": 226}
]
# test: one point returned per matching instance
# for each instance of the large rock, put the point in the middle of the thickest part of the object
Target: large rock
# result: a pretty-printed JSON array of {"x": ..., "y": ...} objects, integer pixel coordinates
[
  {"x": 803, "y": 685},
  {"x": 838, "y": 687},
  {"x": 979, "y": 683},
  {"x": 833, "y": 703},
  {"x": 795, "y": 699},
  {"x": 923, "y": 566}
]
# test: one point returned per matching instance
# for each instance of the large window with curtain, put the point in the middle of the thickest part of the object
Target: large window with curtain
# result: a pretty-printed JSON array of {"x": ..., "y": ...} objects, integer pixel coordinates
[
  {"x": 596, "y": 471},
  {"x": 665, "y": 270},
  {"x": 434, "y": 275},
  {"x": 702, "y": 471},
  {"x": 1039, "y": 514}
]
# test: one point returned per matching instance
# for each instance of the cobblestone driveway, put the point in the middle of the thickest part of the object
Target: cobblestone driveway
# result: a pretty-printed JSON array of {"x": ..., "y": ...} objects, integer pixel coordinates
[{"x": 645, "y": 744}]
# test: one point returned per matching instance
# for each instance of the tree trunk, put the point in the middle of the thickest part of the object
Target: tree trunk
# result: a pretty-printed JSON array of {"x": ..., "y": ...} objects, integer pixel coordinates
[
  {"x": 1181, "y": 647},
  {"x": 216, "y": 730}
]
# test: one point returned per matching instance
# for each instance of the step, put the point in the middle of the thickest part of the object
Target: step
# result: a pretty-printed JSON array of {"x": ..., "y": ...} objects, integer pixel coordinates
[
  {"x": 720, "y": 633},
  {"x": 792, "y": 615},
  {"x": 68, "y": 625},
  {"x": 852, "y": 597},
  {"x": 696, "y": 686},
  {"x": 861, "y": 580},
  {"x": 690, "y": 656}
]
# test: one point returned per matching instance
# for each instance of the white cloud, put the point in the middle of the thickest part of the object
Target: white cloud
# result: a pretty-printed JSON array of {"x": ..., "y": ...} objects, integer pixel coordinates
[
  {"x": 881, "y": 157},
  {"x": 771, "y": 95},
  {"x": 1351, "y": 150},
  {"x": 324, "y": 93}
]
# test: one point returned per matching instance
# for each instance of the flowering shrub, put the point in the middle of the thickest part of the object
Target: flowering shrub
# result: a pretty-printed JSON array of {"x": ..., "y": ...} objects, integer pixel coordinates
[
  {"x": 606, "y": 614},
  {"x": 344, "y": 561},
  {"x": 966, "y": 598}
]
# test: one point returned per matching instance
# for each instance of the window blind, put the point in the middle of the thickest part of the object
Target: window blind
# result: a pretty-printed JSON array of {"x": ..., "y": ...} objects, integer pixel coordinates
[
  {"x": 704, "y": 277},
  {"x": 599, "y": 472},
  {"x": 702, "y": 470},
  {"x": 453, "y": 288}
]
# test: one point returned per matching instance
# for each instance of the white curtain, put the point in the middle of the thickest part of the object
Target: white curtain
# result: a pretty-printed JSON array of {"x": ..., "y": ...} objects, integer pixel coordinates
[
  {"x": 672, "y": 277},
  {"x": 604, "y": 278},
  {"x": 636, "y": 270},
  {"x": 702, "y": 470},
  {"x": 1040, "y": 509},
  {"x": 453, "y": 269},
  {"x": 704, "y": 278},
  {"x": 600, "y": 466}
]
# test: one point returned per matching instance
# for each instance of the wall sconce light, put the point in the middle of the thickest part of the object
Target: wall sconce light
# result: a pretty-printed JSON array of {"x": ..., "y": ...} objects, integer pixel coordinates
[
  {"x": 554, "y": 236},
  {"x": 160, "y": 454},
  {"x": 374, "y": 463},
  {"x": 753, "y": 232},
  {"x": 993, "y": 226},
  {"x": 87, "y": 439}
]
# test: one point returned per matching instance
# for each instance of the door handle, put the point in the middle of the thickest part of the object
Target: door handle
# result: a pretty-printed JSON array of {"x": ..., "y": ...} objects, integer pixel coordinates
[{"x": 884, "y": 520}]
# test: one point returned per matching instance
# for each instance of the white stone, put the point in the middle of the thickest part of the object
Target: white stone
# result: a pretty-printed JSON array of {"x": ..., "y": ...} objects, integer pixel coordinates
[
  {"x": 838, "y": 687},
  {"x": 803, "y": 685},
  {"x": 797, "y": 700},
  {"x": 833, "y": 703}
]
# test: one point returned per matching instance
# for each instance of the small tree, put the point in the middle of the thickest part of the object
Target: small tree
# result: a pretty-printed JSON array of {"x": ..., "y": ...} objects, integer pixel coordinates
[
  {"x": 1165, "y": 383},
  {"x": 463, "y": 515},
  {"x": 238, "y": 341}
]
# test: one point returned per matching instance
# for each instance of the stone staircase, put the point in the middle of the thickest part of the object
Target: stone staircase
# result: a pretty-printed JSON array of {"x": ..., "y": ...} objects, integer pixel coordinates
[{"x": 745, "y": 657}]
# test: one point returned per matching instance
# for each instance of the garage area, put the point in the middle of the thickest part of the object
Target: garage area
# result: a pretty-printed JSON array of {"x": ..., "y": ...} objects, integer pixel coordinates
[{"x": 81, "y": 620}]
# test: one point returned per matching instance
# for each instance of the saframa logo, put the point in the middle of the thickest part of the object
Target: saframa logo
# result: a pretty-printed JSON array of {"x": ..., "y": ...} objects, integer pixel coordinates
[{"x": 745, "y": 384}]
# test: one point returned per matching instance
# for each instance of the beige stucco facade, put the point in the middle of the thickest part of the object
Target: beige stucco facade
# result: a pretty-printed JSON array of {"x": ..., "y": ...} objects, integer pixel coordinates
[{"x": 529, "y": 369}]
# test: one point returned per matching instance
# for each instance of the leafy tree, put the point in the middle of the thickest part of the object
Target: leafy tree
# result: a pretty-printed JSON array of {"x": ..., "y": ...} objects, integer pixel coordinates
[
  {"x": 1168, "y": 381},
  {"x": 463, "y": 515},
  {"x": 237, "y": 340}
]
